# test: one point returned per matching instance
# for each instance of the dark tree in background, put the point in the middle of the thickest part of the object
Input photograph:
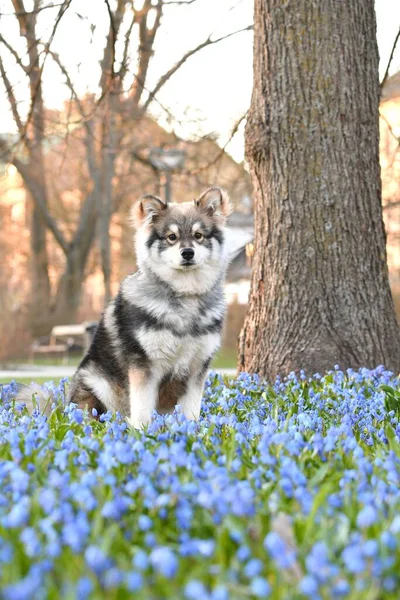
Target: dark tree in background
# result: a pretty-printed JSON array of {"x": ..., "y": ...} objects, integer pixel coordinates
[
  {"x": 119, "y": 107},
  {"x": 320, "y": 292}
]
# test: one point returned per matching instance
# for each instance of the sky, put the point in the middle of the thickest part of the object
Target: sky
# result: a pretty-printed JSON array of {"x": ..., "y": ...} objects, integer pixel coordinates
[{"x": 209, "y": 94}]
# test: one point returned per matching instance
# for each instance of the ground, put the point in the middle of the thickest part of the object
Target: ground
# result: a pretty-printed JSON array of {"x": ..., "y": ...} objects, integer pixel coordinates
[
  {"x": 43, "y": 370},
  {"x": 283, "y": 490}
]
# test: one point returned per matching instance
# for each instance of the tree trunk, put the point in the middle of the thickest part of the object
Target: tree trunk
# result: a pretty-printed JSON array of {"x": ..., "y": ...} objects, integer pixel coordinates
[
  {"x": 40, "y": 291},
  {"x": 70, "y": 286},
  {"x": 320, "y": 292},
  {"x": 69, "y": 294},
  {"x": 106, "y": 197}
]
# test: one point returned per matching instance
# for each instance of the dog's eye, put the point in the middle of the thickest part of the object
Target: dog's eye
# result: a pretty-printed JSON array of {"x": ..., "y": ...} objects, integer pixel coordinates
[
  {"x": 172, "y": 237},
  {"x": 198, "y": 235}
]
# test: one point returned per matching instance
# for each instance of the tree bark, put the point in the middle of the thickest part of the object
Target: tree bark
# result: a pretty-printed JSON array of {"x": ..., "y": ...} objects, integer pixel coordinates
[
  {"x": 320, "y": 292},
  {"x": 40, "y": 290},
  {"x": 70, "y": 287},
  {"x": 108, "y": 149}
]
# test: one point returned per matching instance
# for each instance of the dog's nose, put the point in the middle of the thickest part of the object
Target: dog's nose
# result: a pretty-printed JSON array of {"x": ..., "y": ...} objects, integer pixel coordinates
[{"x": 187, "y": 253}]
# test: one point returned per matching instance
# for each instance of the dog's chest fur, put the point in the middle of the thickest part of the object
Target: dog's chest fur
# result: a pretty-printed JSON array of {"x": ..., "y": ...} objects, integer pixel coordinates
[
  {"x": 177, "y": 334},
  {"x": 175, "y": 354}
]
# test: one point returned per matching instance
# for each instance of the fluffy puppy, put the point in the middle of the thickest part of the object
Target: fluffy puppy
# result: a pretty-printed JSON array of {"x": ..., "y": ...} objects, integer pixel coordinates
[{"x": 157, "y": 337}]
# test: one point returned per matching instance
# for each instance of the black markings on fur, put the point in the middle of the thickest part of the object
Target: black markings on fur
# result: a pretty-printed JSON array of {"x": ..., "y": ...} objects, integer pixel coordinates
[
  {"x": 164, "y": 292},
  {"x": 213, "y": 298},
  {"x": 153, "y": 237},
  {"x": 101, "y": 353},
  {"x": 217, "y": 234},
  {"x": 131, "y": 317},
  {"x": 127, "y": 320},
  {"x": 205, "y": 367},
  {"x": 215, "y": 326}
]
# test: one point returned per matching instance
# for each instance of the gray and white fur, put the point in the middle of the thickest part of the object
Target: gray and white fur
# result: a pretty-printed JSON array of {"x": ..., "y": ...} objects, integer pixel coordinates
[{"x": 157, "y": 337}]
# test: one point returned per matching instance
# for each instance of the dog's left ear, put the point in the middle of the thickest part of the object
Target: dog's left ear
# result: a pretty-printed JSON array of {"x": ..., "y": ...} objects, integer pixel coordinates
[
  {"x": 147, "y": 209},
  {"x": 215, "y": 202}
]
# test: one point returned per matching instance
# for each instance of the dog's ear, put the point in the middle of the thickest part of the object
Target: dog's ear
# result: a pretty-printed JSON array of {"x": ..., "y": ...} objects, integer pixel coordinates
[
  {"x": 215, "y": 202},
  {"x": 146, "y": 210}
]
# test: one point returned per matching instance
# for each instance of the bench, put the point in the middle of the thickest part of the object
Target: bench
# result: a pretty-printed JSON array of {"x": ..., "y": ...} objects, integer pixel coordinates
[{"x": 63, "y": 338}]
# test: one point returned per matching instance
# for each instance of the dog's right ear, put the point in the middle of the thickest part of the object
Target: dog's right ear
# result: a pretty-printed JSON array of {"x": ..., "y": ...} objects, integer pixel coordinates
[{"x": 146, "y": 210}]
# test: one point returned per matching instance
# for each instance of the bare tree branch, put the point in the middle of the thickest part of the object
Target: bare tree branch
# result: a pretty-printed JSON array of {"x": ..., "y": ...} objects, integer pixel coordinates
[
  {"x": 91, "y": 156},
  {"x": 124, "y": 62},
  {"x": 11, "y": 98},
  {"x": 35, "y": 11},
  {"x": 36, "y": 192},
  {"x": 386, "y": 75},
  {"x": 180, "y": 2},
  {"x": 55, "y": 56},
  {"x": 221, "y": 152},
  {"x": 390, "y": 204},
  {"x": 164, "y": 78},
  {"x": 27, "y": 29},
  {"x": 146, "y": 41},
  {"x": 109, "y": 52},
  {"x": 14, "y": 53}
]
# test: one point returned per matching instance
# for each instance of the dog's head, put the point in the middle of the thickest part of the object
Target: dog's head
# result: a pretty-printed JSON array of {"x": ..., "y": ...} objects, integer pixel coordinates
[{"x": 183, "y": 244}]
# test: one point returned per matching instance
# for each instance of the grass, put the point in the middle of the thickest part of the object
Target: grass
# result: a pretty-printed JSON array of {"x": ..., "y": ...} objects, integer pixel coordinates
[
  {"x": 43, "y": 361},
  {"x": 280, "y": 491},
  {"x": 226, "y": 359},
  {"x": 28, "y": 380}
]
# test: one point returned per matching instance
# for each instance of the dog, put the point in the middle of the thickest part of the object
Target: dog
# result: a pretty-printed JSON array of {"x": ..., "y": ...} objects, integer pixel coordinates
[{"x": 157, "y": 337}]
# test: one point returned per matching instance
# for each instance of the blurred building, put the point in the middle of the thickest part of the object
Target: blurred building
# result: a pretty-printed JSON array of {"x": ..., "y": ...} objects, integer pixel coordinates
[
  {"x": 390, "y": 172},
  {"x": 69, "y": 182}
]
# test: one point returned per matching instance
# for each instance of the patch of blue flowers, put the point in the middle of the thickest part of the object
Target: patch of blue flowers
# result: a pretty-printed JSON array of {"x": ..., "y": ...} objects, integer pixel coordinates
[{"x": 290, "y": 490}]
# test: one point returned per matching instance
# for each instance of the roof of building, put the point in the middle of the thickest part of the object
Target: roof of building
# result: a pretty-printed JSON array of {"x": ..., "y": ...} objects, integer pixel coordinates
[{"x": 391, "y": 88}]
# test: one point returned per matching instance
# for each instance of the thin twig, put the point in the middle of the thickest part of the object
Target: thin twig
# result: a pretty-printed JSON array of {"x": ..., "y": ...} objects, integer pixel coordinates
[
  {"x": 11, "y": 97},
  {"x": 27, "y": 13},
  {"x": 180, "y": 2},
  {"x": 220, "y": 153},
  {"x": 386, "y": 75},
  {"x": 390, "y": 204},
  {"x": 61, "y": 12},
  {"x": 168, "y": 74},
  {"x": 14, "y": 53},
  {"x": 114, "y": 36}
]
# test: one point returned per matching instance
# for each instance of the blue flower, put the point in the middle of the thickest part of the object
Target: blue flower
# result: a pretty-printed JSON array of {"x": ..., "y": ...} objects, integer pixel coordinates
[
  {"x": 278, "y": 550},
  {"x": 31, "y": 542},
  {"x": 353, "y": 560},
  {"x": 84, "y": 588},
  {"x": 253, "y": 568},
  {"x": 97, "y": 560},
  {"x": 194, "y": 590},
  {"x": 140, "y": 560},
  {"x": 164, "y": 561},
  {"x": 260, "y": 587},
  {"x": 367, "y": 517},
  {"x": 19, "y": 514},
  {"x": 112, "y": 578},
  {"x": 309, "y": 586},
  {"x": 144, "y": 523},
  {"x": 134, "y": 581},
  {"x": 219, "y": 593}
]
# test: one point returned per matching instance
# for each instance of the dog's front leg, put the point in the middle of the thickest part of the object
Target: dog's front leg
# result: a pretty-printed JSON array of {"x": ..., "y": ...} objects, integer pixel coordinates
[
  {"x": 190, "y": 402},
  {"x": 142, "y": 397}
]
